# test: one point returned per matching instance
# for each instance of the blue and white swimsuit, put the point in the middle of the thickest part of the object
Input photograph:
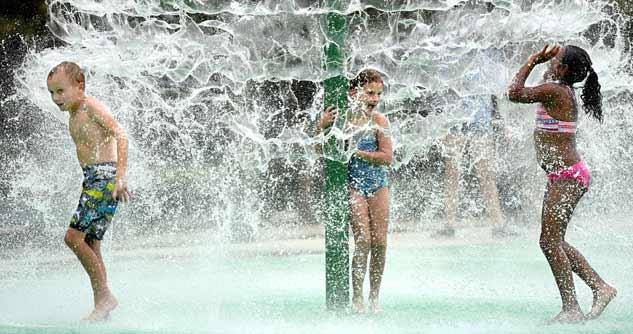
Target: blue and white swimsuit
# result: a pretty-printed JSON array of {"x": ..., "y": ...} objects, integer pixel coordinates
[{"x": 364, "y": 176}]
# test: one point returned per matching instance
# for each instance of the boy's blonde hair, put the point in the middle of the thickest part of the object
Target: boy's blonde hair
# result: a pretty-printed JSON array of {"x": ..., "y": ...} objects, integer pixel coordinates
[{"x": 72, "y": 71}]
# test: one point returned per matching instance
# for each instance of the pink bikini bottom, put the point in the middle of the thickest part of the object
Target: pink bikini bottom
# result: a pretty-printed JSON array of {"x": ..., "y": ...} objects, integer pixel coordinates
[{"x": 579, "y": 172}]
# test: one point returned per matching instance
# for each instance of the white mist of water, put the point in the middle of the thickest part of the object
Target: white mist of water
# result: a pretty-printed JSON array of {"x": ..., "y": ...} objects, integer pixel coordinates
[{"x": 220, "y": 98}]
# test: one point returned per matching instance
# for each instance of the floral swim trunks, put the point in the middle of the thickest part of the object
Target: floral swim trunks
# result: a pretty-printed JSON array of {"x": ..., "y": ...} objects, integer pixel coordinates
[{"x": 96, "y": 205}]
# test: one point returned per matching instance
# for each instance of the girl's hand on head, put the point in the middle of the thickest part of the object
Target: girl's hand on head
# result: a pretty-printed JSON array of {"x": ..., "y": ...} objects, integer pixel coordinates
[{"x": 545, "y": 54}]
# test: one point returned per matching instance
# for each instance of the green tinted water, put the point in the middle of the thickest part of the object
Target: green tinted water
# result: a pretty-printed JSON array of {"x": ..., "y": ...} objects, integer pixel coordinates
[{"x": 492, "y": 287}]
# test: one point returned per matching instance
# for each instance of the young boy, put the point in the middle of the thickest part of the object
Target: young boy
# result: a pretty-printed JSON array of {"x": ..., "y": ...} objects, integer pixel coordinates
[{"x": 101, "y": 146}]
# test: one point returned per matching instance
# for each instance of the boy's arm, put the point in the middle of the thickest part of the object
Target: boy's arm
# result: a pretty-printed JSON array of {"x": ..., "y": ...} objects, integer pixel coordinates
[
  {"x": 384, "y": 155},
  {"x": 104, "y": 118}
]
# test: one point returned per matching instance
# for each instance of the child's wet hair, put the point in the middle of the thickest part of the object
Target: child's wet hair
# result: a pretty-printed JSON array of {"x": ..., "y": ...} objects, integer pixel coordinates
[
  {"x": 365, "y": 77},
  {"x": 580, "y": 68},
  {"x": 71, "y": 70}
]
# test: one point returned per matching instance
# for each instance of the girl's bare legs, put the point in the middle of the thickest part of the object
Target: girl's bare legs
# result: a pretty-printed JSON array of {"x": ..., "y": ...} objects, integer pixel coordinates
[
  {"x": 559, "y": 203},
  {"x": 360, "y": 229},
  {"x": 603, "y": 293},
  {"x": 379, "y": 222}
]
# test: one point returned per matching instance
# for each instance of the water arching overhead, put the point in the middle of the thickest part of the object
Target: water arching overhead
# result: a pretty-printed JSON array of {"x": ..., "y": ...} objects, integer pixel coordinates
[{"x": 220, "y": 98}]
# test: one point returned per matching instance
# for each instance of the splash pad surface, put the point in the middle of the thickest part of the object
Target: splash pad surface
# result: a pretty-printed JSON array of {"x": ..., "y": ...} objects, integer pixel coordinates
[{"x": 471, "y": 284}]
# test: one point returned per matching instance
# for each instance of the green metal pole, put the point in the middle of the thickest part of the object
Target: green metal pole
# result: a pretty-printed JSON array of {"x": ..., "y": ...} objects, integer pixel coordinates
[{"x": 337, "y": 197}]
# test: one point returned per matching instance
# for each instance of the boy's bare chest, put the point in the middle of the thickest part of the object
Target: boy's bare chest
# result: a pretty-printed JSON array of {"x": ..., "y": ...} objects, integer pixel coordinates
[{"x": 83, "y": 130}]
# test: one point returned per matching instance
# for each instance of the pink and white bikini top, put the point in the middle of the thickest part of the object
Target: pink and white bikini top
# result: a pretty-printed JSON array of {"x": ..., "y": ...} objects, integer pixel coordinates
[{"x": 545, "y": 122}]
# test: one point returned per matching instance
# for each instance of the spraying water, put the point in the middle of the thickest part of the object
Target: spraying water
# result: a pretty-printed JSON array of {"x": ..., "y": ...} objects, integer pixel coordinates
[{"x": 217, "y": 94}]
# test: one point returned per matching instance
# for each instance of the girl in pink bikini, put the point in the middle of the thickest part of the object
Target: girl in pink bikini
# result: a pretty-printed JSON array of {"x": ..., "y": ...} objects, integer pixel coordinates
[{"x": 569, "y": 176}]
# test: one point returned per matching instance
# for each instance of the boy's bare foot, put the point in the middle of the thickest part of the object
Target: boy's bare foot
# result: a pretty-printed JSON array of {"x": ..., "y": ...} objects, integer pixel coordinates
[
  {"x": 358, "y": 306},
  {"x": 103, "y": 309},
  {"x": 568, "y": 317},
  {"x": 601, "y": 299}
]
